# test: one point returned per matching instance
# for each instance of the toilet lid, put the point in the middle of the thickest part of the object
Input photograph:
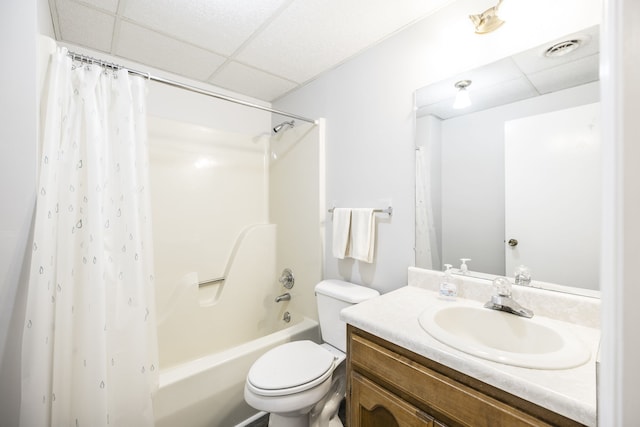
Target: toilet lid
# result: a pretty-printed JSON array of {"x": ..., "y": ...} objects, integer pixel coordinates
[{"x": 291, "y": 365}]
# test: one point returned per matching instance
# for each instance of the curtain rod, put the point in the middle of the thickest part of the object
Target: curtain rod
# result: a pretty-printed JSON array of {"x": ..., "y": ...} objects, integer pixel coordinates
[{"x": 90, "y": 60}]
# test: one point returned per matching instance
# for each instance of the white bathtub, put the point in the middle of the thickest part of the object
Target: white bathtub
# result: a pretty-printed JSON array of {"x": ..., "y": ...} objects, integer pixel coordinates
[{"x": 209, "y": 391}]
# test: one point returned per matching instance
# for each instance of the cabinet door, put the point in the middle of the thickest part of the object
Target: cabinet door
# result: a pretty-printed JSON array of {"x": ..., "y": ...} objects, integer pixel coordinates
[{"x": 372, "y": 406}]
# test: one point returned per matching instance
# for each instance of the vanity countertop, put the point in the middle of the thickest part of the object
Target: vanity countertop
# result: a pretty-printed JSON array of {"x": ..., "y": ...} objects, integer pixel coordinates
[{"x": 394, "y": 317}]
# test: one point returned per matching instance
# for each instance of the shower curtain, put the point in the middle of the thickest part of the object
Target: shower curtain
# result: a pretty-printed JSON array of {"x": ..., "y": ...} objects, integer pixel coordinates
[
  {"x": 89, "y": 351},
  {"x": 427, "y": 254}
]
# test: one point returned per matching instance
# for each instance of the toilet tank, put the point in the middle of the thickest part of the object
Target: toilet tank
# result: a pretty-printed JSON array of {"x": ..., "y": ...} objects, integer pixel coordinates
[{"x": 332, "y": 296}]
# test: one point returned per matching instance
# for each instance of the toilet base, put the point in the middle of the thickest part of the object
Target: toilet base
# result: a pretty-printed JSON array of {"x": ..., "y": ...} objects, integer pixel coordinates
[{"x": 325, "y": 413}]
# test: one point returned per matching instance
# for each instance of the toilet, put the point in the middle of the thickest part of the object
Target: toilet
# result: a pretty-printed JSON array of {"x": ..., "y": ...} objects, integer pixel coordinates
[{"x": 301, "y": 383}]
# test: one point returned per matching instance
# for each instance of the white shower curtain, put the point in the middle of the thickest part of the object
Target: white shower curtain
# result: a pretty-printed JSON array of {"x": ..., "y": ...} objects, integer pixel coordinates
[
  {"x": 89, "y": 352},
  {"x": 427, "y": 254}
]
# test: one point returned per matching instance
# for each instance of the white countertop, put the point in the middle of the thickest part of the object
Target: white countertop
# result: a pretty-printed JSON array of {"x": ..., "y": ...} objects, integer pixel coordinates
[{"x": 394, "y": 317}]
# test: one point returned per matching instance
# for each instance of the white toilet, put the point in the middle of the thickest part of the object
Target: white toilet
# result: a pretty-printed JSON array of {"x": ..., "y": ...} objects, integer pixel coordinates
[{"x": 301, "y": 383}]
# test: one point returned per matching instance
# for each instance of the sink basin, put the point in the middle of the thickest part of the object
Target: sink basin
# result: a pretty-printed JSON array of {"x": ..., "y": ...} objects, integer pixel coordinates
[{"x": 538, "y": 343}]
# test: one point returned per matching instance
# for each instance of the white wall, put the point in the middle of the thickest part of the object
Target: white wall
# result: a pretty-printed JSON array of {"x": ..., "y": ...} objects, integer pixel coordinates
[
  {"x": 368, "y": 104},
  {"x": 553, "y": 202},
  {"x": 45, "y": 23},
  {"x": 18, "y": 143}
]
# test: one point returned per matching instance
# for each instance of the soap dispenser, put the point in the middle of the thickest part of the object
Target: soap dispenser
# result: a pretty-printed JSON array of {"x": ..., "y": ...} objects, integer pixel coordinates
[
  {"x": 464, "y": 268},
  {"x": 448, "y": 289}
]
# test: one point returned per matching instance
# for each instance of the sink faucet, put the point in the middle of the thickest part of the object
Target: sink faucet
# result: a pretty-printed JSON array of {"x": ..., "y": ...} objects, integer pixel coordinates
[{"x": 502, "y": 301}]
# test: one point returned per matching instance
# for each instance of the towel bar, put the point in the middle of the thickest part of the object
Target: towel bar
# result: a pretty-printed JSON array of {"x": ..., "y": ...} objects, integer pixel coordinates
[{"x": 388, "y": 211}]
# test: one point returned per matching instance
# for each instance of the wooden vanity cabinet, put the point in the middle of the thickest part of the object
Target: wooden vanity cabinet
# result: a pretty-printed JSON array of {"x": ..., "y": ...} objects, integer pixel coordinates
[{"x": 389, "y": 386}]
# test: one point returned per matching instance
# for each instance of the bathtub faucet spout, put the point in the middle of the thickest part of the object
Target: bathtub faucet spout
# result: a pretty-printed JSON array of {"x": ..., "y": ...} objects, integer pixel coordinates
[{"x": 284, "y": 297}]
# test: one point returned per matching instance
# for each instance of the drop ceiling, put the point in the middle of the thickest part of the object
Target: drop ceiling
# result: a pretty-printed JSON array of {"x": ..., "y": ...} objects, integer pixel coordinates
[
  {"x": 260, "y": 48},
  {"x": 521, "y": 76}
]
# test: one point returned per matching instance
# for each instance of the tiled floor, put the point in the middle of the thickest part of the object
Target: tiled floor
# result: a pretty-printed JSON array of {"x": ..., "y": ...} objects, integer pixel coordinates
[{"x": 264, "y": 421}]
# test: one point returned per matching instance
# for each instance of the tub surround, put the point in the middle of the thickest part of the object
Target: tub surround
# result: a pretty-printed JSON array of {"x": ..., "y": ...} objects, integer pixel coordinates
[{"x": 568, "y": 392}]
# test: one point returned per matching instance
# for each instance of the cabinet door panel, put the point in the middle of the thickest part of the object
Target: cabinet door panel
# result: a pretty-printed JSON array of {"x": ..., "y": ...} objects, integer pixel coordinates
[
  {"x": 443, "y": 396},
  {"x": 373, "y": 406}
]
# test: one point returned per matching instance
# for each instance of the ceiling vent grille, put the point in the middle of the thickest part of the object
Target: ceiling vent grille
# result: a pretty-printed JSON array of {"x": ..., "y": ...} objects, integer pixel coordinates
[{"x": 562, "y": 48}]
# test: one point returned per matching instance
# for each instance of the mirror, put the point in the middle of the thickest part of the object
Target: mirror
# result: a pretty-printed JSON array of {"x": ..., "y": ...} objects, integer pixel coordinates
[{"x": 513, "y": 179}]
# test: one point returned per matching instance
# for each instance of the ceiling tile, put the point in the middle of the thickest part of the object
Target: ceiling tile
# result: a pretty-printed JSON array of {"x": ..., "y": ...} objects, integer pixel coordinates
[
  {"x": 84, "y": 26},
  {"x": 575, "y": 73},
  {"x": 534, "y": 60},
  {"x": 221, "y": 25},
  {"x": 505, "y": 81},
  {"x": 275, "y": 44},
  {"x": 504, "y": 93},
  {"x": 482, "y": 98},
  {"x": 482, "y": 77},
  {"x": 250, "y": 81},
  {"x": 108, "y": 5},
  {"x": 148, "y": 47},
  {"x": 331, "y": 37}
]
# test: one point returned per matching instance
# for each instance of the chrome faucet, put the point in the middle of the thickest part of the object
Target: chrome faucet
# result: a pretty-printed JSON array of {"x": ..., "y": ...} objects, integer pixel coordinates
[
  {"x": 502, "y": 301},
  {"x": 284, "y": 297}
]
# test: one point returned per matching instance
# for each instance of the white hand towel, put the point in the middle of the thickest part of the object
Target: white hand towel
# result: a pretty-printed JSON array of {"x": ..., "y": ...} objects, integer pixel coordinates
[
  {"x": 341, "y": 229},
  {"x": 363, "y": 234}
]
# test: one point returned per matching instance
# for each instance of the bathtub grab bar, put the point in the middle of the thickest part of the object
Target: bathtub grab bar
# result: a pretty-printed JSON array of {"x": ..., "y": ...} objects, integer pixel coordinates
[{"x": 211, "y": 282}]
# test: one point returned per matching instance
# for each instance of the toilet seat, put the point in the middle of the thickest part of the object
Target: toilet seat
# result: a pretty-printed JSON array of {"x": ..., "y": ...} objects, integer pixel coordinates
[{"x": 290, "y": 368}]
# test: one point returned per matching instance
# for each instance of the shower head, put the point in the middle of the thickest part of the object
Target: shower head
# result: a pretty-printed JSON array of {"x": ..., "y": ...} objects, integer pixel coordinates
[{"x": 281, "y": 126}]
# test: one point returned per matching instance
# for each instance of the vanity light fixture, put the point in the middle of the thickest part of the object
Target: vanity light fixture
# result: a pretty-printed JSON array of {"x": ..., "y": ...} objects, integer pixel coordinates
[
  {"x": 488, "y": 20},
  {"x": 462, "y": 97}
]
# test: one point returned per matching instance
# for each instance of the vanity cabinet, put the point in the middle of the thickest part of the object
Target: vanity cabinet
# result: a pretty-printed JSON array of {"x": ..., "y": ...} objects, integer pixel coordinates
[{"x": 391, "y": 386}]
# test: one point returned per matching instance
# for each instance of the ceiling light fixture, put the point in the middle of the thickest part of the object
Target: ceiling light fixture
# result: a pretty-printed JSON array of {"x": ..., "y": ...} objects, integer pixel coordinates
[
  {"x": 462, "y": 97},
  {"x": 488, "y": 20}
]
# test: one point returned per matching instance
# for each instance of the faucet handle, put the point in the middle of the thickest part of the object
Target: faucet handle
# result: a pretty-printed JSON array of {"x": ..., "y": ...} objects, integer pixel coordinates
[
  {"x": 286, "y": 278},
  {"x": 522, "y": 276},
  {"x": 502, "y": 287}
]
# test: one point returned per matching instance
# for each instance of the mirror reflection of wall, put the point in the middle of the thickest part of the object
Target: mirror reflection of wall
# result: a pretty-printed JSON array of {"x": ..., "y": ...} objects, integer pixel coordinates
[
  {"x": 460, "y": 166},
  {"x": 553, "y": 195}
]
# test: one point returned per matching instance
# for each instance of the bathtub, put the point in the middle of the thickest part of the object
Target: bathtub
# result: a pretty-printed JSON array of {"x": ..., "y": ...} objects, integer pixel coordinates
[{"x": 208, "y": 391}]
